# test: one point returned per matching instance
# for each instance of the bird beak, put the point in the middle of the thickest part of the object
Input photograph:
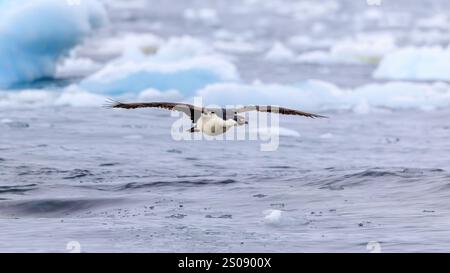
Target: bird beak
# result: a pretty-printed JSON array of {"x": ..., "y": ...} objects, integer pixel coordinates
[{"x": 246, "y": 122}]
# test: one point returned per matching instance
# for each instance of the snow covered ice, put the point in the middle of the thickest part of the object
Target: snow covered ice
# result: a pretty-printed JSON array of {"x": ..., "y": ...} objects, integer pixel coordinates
[{"x": 36, "y": 34}]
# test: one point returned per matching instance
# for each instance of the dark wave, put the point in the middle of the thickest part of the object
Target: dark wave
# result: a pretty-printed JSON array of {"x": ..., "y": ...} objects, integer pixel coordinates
[
  {"x": 373, "y": 175},
  {"x": 77, "y": 173},
  {"x": 280, "y": 167},
  {"x": 17, "y": 189},
  {"x": 156, "y": 184},
  {"x": 51, "y": 207},
  {"x": 109, "y": 164},
  {"x": 65, "y": 174},
  {"x": 175, "y": 151},
  {"x": 202, "y": 182}
]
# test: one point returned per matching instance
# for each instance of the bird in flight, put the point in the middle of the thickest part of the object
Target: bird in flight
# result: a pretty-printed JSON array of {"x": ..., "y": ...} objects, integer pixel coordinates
[{"x": 212, "y": 121}]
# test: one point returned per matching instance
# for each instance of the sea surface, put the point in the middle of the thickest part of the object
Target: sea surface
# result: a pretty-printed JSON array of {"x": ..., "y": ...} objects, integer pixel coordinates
[{"x": 94, "y": 179}]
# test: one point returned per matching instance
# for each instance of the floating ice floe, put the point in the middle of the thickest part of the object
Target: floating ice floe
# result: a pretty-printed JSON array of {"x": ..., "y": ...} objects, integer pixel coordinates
[
  {"x": 107, "y": 48},
  {"x": 279, "y": 52},
  {"x": 304, "y": 41},
  {"x": 366, "y": 49},
  {"x": 183, "y": 63},
  {"x": 70, "y": 96},
  {"x": 156, "y": 95},
  {"x": 300, "y": 10},
  {"x": 416, "y": 63},
  {"x": 36, "y": 34},
  {"x": 305, "y": 10},
  {"x": 236, "y": 47},
  {"x": 205, "y": 15},
  {"x": 74, "y": 67},
  {"x": 428, "y": 37},
  {"x": 317, "y": 95},
  {"x": 26, "y": 98},
  {"x": 439, "y": 20},
  {"x": 235, "y": 42},
  {"x": 312, "y": 95},
  {"x": 125, "y": 4}
]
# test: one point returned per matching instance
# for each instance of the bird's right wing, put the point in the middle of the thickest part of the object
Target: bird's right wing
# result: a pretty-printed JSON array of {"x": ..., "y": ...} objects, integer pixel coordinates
[
  {"x": 277, "y": 110},
  {"x": 190, "y": 110}
]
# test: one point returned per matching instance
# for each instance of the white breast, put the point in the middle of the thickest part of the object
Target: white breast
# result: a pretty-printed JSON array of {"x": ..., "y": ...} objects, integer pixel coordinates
[{"x": 213, "y": 125}]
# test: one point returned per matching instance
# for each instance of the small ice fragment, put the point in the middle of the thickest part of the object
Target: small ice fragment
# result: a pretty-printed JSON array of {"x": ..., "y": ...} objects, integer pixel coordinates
[{"x": 272, "y": 216}]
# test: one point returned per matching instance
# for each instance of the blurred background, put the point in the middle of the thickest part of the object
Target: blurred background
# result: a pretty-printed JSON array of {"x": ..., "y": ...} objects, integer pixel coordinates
[{"x": 322, "y": 55}]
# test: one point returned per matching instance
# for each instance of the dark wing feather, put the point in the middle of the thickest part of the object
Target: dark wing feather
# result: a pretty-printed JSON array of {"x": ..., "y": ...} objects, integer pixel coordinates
[
  {"x": 278, "y": 110},
  {"x": 192, "y": 111}
]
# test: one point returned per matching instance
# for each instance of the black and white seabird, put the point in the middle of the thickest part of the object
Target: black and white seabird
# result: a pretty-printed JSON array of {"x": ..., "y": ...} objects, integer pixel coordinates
[{"x": 212, "y": 121}]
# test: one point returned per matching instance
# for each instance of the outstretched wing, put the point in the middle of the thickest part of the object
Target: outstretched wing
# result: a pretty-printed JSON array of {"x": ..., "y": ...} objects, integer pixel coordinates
[
  {"x": 191, "y": 111},
  {"x": 276, "y": 109}
]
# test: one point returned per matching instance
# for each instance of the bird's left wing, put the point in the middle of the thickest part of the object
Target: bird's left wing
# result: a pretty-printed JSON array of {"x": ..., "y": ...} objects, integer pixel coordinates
[{"x": 192, "y": 111}]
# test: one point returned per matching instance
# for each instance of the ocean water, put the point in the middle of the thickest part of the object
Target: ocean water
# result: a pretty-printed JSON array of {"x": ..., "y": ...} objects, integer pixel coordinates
[{"x": 374, "y": 176}]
